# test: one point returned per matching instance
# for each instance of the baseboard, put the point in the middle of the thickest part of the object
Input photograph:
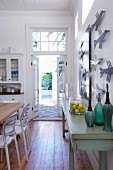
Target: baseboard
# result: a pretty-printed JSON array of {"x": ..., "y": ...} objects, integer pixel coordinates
[{"x": 93, "y": 159}]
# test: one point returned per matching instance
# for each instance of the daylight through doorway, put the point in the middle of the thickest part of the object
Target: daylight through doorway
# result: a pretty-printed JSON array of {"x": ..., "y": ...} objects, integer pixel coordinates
[{"x": 47, "y": 88}]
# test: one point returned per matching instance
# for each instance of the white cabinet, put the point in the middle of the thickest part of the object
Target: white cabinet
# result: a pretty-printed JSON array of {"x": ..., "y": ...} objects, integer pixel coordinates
[
  {"x": 11, "y": 69},
  {"x": 16, "y": 98}
]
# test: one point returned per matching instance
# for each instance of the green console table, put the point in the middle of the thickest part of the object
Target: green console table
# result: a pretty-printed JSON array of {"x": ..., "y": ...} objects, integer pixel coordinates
[{"x": 83, "y": 138}]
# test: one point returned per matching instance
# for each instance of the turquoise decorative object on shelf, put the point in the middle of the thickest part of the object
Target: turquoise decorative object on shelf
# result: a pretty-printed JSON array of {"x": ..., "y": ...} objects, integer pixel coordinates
[
  {"x": 107, "y": 112},
  {"x": 90, "y": 118},
  {"x": 99, "y": 117}
]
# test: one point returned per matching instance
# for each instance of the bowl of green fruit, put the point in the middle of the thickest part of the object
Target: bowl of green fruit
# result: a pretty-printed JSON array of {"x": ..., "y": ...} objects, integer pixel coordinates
[{"x": 76, "y": 107}]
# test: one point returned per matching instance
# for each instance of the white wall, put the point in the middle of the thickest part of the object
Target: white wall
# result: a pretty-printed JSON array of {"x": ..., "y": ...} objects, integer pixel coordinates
[
  {"x": 13, "y": 34},
  {"x": 106, "y": 52}
]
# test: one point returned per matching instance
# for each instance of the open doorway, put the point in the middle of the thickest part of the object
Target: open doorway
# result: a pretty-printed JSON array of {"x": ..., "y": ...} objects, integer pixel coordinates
[
  {"x": 48, "y": 87},
  {"x": 48, "y": 75}
]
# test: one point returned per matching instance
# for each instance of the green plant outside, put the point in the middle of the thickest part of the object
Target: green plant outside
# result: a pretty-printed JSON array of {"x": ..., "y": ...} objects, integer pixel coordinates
[{"x": 46, "y": 81}]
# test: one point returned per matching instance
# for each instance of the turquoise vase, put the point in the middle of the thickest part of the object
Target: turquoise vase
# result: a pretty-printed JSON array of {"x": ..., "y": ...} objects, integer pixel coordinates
[
  {"x": 107, "y": 111},
  {"x": 99, "y": 117},
  {"x": 90, "y": 118}
]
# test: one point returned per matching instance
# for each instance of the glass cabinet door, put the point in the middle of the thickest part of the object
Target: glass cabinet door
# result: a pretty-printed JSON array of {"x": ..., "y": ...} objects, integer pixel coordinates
[
  {"x": 14, "y": 70},
  {"x": 3, "y": 67}
]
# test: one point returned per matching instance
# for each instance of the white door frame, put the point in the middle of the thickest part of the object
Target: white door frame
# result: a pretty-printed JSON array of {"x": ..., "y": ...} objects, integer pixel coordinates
[
  {"x": 28, "y": 69},
  {"x": 35, "y": 68}
]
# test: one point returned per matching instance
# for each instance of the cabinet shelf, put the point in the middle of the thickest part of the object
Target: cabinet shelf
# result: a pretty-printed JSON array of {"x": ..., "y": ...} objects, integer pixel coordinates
[{"x": 10, "y": 54}]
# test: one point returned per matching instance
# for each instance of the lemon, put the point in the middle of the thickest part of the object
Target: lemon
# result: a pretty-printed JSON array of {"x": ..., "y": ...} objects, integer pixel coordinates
[
  {"x": 74, "y": 107},
  {"x": 77, "y": 104},
  {"x": 71, "y": 110},
  {"x": 76, "y": 111},
  {"x": 80, "y": 106},
  {"x": 82, "y": 110},
  {"x": 71, "y": 103}
]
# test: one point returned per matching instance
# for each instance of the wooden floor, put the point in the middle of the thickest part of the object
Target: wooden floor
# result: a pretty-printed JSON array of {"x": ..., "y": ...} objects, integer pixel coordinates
[{"x": 49, "y": 150}]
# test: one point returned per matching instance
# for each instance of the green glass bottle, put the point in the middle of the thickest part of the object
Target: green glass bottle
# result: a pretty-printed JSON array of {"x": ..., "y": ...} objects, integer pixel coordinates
[
  {"x": 99, "y": 117},
  {"x": 107, "y": 112}
]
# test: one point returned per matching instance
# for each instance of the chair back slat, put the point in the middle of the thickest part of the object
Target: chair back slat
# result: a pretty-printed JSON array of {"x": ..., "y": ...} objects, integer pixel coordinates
[
  {"x": 9, "y": 127},
  {"x": 24, "y": 115}
]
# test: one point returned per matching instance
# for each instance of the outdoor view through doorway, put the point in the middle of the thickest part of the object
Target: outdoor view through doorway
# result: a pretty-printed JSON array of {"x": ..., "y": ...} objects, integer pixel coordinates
[
  {"x": 47, "y": 87},
  {"x": 49, "y": 75}
]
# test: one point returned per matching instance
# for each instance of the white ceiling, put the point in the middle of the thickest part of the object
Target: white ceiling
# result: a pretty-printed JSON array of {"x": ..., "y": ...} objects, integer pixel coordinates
[{"x": 37, "y": 5}]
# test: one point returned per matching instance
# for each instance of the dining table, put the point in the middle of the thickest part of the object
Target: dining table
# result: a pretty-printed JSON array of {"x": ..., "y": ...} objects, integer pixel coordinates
[{"x": 7, "y": 109}]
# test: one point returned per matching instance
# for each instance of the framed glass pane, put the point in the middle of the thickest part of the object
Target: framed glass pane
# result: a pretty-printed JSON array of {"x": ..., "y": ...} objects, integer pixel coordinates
[
  {"x": 61, "y": 36},
  {"x": 48, "y": 41},
  {"x": 52, "y": 46},
  {"x": 84, "y": 74},
  {"x": 36, "y": 46},
  {"x": 61, "y": 79},
  {"x": 44, "y": 36},
  {"x": 35, "y": 36},
  {"x": 61, "y": 46},
  {"x": 53, "y": 36},
  {"x": 61, "y": 62},
  {"x": 3, "y": 76},
  {"x": 44, "y": 46},
  {"x": 14, "y": 70}
]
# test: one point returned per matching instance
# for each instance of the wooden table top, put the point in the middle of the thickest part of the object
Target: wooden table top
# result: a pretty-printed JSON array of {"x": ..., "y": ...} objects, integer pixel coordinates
[{"x": 7, "y": 109}]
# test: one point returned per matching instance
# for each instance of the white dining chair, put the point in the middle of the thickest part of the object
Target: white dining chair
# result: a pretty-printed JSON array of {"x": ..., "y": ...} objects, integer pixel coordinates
[
  {"x": 22, "y": 127},
  {"x": 6, "y": 137}
]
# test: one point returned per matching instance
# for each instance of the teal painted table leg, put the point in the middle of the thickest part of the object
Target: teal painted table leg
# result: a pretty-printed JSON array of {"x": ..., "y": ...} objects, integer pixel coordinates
[
  {"x": 63, "y": 123},
  {"x": 71, "y": 156},
  {"x": 102, "y": 161}
]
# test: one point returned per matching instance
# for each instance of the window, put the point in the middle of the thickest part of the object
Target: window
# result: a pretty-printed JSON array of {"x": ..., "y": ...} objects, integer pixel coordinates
[
  {"x": 48, "y": 41},
  {"x": 86, "y": 6}
]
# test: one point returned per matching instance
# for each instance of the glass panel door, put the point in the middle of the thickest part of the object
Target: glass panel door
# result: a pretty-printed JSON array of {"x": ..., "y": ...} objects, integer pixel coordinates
[
  {"x": 3, "y": 72},
  {"x": 14, "y": 70},
  {"x": 35, "y": 70},
  {"x": 60, "y": 82}
]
